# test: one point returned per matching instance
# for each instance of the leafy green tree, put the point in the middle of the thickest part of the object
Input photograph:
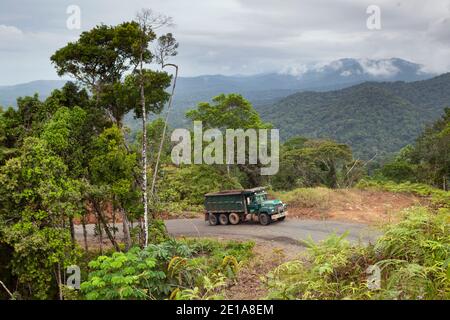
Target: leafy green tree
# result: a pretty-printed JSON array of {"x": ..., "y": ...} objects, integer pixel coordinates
[
  {"x": 427, "y": 160},
  {"x": 36, "y": 199},
  {"x": 101, "y": 55},
  {"x": 99, "y": 59},
  {"x": 432, "y": 153},
  {"x": 70, "y": 96},
  {"x": 112, "y": 168},
  {"x": 399, "y": 171},
  {"x": 307, "y": 163},
  {"x": 181, "y": 188},
  {"x": 6, "y": 147},
  {"x": 231, "y": 111}
]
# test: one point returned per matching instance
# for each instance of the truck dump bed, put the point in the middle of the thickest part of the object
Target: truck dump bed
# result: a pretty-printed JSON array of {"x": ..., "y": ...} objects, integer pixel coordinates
[
  {"x": 228, "y": 201},
  {"x": 231, "y": 202}
]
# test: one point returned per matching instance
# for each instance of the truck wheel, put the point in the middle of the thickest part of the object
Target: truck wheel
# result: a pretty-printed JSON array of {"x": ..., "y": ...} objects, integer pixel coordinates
[
  {"x": 223, "y": 219},
  {"x": 264, "y": 219},
  {"x": 212, "y": 218},
  {"x": 234, "y": 218}
]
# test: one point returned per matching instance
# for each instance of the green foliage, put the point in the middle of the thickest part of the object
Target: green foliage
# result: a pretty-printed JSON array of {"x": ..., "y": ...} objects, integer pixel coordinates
[
  {"x": 427, "y": 160},
  {"x": 102, "y": 59},
  {"x": 154, "y": 135},
  {"x": 186, "y": 269},
  {"x": 399, "y": 171},
  {"x": 62, "y": 158},
  {"x": 111, "y": 163},
  {"x": 155, "y": 84},
  {"x": 36, "y": 195},
  {"x": 65, "y": 134},
  {"x": 412, "y": 255},
  {"x": 130, "y": 275},
  {"x": 6, "y": 149},
  {"x": 173, "y": 191},
  {"x": 232, "y": 111},
  {"x": 211, "y": 290},
  {"x": 431, "y": 153},
  {"x": 307, "y": 163},
  {"x": 101, "y": 54}
]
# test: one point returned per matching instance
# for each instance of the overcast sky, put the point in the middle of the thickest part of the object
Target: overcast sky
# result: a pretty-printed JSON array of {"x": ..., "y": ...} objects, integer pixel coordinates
[{"x": 236, "y": 36}]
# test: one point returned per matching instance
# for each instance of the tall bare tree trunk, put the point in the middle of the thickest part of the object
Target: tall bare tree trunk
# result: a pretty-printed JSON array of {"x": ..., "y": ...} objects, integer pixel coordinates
[
  {"x": 144, "y": 154},
  {"x": 147, "y": 21},
  {"x": 161, "y": 144}
]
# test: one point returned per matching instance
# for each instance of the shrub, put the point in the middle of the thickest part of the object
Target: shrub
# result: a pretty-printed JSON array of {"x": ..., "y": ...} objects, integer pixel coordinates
[
  {"x": 399, "y": 171},
  {"x": 184, "y": 269},
  {"x": 413, "y": 257}
]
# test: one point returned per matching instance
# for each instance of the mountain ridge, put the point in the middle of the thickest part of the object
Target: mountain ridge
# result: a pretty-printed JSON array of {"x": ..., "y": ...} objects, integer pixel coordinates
[
  {"x": 372, "y": 117},
  {"x": 317, "y": 76}
]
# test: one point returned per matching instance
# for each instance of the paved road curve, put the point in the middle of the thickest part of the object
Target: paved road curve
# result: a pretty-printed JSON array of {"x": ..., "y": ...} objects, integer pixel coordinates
[{"x": 289, "y": 231}]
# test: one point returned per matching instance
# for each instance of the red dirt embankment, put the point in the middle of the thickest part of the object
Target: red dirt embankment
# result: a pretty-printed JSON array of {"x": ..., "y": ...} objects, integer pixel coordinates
[{"x": 365, "y": 206}]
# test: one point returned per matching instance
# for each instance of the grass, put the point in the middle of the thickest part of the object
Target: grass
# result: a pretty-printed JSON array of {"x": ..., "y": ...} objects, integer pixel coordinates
[{"x": 318, "y": 198}]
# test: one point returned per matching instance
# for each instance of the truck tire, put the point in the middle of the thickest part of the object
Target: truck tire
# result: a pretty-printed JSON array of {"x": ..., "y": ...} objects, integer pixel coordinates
[
  {"x": 234, "y": 218},
  {"x": 264, "y": 219},
  {"x": 212, "y": 218},
  {"x": 223, "y": 219}
]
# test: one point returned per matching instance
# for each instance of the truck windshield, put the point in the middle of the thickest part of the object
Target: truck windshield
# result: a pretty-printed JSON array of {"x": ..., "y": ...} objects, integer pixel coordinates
[{"x": 261, "y": 197}]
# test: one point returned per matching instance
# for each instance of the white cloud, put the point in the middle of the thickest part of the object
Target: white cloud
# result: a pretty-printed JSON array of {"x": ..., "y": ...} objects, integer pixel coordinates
[
  {"x": 239, "y": 36},
  {"x": 6, "y": 31},
  {"x": 9, "y": 35},
  {"x": 383, "y": 68}
]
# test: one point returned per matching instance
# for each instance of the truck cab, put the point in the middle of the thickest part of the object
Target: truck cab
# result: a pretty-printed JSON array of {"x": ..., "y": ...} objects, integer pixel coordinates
[{"x": 235, "y": 206}]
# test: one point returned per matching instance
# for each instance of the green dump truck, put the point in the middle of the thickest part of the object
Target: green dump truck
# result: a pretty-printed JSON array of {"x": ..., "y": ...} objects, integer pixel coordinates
[{"x": 235, "y": 206}]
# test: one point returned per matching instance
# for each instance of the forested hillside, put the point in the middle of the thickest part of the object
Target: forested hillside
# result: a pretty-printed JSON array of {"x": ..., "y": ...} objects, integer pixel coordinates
[{"x": 373, "y": 118}]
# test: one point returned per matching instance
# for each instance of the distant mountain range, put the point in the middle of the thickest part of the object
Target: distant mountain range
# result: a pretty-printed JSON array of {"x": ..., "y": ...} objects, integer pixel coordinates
[
  {"x": 376, "y": 106},
  {"x": 318, "y": 77},
  {"x": 372, "y": 117},
  {"x": 9, "y": 94}
]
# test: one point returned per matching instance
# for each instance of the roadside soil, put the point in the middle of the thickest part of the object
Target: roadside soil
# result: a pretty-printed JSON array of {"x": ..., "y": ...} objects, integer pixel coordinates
[
  {"x": 249, "y": 284},
  {"x": 363, "y": 206}
]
